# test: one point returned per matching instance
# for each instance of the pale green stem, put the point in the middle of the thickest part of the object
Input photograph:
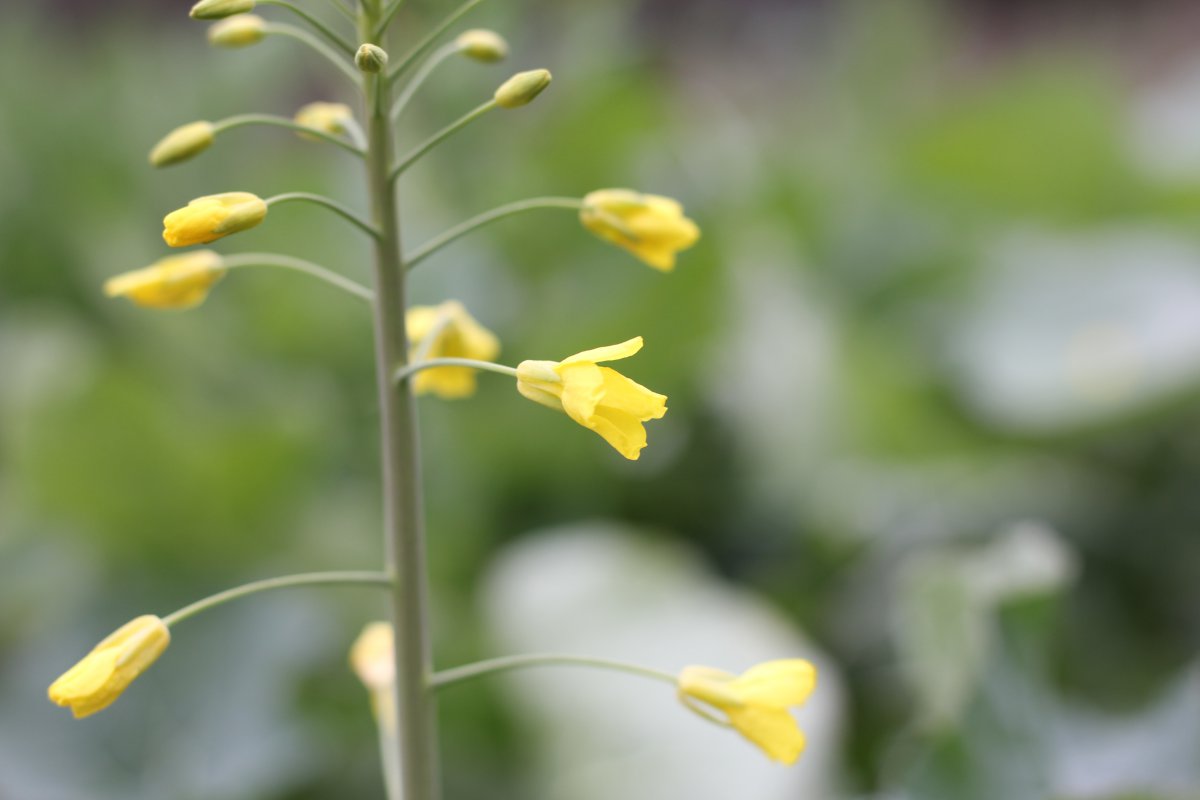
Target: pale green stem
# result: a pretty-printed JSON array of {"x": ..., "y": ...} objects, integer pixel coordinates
[
  {"x": 327, "y": 52},
  {"x": 702, "y": 712},
  {"x": 355, "y": 132},
  {"x": 332, "y": 205},
  {"x": 416, "y": 751},
  {"x": 444, "y": 133},
  {"x": 344, "y": 10},
  {"x": 404, "y": 373},
  {"x": 427, "y": 68},
  {"x": 492, "y": 666},
  {"x": 283, "y": 122},
  {"x": 411, "y": 57},
  {"x": 320, "y": 27},
  {"x": 462, "y": 229},
  {"x": 386, "y": 19},
  {"x": 298, "y": 265},
  {"x": 286, "y": 582}
]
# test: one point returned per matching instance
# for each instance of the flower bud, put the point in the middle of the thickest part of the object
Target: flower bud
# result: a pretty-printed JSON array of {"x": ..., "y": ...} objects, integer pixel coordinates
[
  {"x": 241, "y": 30},
  {"x": 371, "y": 58},
  {"x": 482, "y": 45},
  {"x": 208, "y": 218},
  {"x": 328, "y": 118},
  {"x": 521, "y": 88},
  {"x": 100, "y": 677},
  {"x": 219, "y": 9},
  {"x": 182, "y": 143}
]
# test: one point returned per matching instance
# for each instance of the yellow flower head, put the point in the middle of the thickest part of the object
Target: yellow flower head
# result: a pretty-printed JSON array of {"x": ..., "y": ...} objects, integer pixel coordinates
[
  {"x": 373, "y": 661},
  {"x": 97, "y": 680},
  {"x": 240, "y": 30},
  {"x": 447, "y": 331},
  {"x": 328, "y": 118},
  {"x": 175, "y": 282},
  {"x": 208, "y": 218},
  {"x": 482, "y": 45},
  {"x": 219, "y": 9},
  {"x": 182, "y": 143},
  {"x": 651, "y": 227},
  {"x": 756, "y": 702},
  {"x": 598, "y": 398}
]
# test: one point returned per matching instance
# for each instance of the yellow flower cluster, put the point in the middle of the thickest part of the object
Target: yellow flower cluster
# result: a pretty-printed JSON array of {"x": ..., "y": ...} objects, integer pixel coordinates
[{"x": 103, "y": 674}]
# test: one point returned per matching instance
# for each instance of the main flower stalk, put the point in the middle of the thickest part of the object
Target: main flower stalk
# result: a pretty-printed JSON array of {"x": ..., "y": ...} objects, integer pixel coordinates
[{"x": 404, "y": 535}]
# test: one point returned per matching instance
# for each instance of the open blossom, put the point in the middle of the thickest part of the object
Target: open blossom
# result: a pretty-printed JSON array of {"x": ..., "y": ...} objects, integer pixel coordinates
[
  {"x": 651, "y": 227},
  {"x": 447, "y": 331},
  {"x": 756, "y": 703},
  {"x": 598, "y": 398},
  {"x": 208, "y": 218},
  {"x": 175, "y": 282},
  {"x": 100, "y": 677}
]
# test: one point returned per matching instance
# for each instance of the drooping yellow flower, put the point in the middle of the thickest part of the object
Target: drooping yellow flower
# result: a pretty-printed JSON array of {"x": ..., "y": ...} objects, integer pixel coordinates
[
  {"x": 373, "y": 661},
  {"x": 182, "y": 143},
  {"x": 447, "y": 331},
  {"x": 756, "y": 703},
  {"x": 651, "y": 227},
  {"x": 328, "y": 118},
  {"x": 598, "y": 398},
  {"x": 174, "y": 282},
  {"x": 100, "y": 677},
  {"x": 208, "y": 218}
]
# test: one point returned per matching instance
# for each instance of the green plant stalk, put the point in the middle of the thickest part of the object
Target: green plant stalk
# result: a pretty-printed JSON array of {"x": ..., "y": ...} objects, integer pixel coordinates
[
  {"x": 492, "y": 666},
  {"x": 404, "y": 535},
  {"x": 286, "y": 582},
  {"x": 332, "y": 205},
  {"x": 283, "y": 122},
  {"x": 444, "y": 133},
  {"x": 486, "y": 218}
]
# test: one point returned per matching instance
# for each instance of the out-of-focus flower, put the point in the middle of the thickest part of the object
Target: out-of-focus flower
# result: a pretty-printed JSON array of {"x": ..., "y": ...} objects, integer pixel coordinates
[
  {"x": 218, "y": 9},
  {"x": 482, "y": 45},
  {"x": 598, "y": 398},
  {"x": 178, "y": 282},
  {"x": 447, "y": 331},
  {"x": 100, "y": 677},
  {"x": 373, "y": 661},
  {"x": 241, "y": 30},
  {"x": 331, "y": 118},
  {"x": 756, "y": 702},
  {"x": 208, "y": 218},
  {"x": 651, "y": 227},
  {"x": 182, "y": 143},
  {"x": 522, "y": 88}
]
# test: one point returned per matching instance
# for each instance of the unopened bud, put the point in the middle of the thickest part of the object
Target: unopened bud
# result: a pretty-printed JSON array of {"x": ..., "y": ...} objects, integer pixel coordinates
[
  {"x": 371, "y": 58},
  {"x": 482, "y": 45},
  {"x": 521, "y": 88},
  {"x": 182, "y": 143},
  {"x": 241, "y": 30},
  {"x": 219, "y": 9}
]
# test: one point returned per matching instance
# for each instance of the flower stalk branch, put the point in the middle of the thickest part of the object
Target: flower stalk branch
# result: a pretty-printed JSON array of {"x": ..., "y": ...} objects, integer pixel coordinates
[
  {"x": 334, "y": 38},
  {"x": 486, "y": 218},
  {"x": 332, "y": 205},
  {"x": 492, "y": 666},
  {"x": 441, "y": 135},
  {"x": 285, "y": 582},
  {"x": 283, "y": 122},
  {"x": 298, "y": 265}
]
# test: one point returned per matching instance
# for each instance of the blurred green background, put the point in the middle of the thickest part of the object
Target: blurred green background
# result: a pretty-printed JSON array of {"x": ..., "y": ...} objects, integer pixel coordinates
[{"x": 934, "y": 379}]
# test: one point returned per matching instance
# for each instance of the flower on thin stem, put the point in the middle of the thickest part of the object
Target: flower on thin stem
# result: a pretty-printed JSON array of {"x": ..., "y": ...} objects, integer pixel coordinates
[
  {"x": 241, "y": 30},
  {"x": 447, "y": 331},
  {"x": 331, "y": 118},
  {"x": 103, "y": 674},
  {"x": 183, "y": 143},
  {"x": 598, "y": 398},
  {"x": 651, "y": 227},
  {"x": 522, "y": 88},
  {"x": 219, "y": 9},
  {"x": 482, "y": 45},
  {"x": 176, "y": 282},
  {"x": 756, "y": 703},
  {"x": 208, "y": 218}
]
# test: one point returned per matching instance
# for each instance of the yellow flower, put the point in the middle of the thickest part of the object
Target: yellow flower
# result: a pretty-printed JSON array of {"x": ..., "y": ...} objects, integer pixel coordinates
[
  {"x": 598, "y": 398},
  {"x": 447, "y": 331},
  {"x": 522, "y": 88},
  {"x": 97, "y": 680},
  {"x": 240, "y": 30},
  {"x": 328, "y": 118},
  {"x": 373, "y": 661},
  {"x": 174, "y": 282},
  {"x": 482, "y": 45},
  {"x": 219, "y": 9},
  {"x": 651, "y": 227},
  {"x": 208, "y": 218},
  {"x": 182, "y": 143},
  {"x": 756, "y": 702}
]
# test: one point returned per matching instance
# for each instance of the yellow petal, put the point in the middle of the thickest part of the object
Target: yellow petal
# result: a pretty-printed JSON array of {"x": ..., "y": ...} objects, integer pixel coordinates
[
  {"x": 447, "y": 331},
  {"x": 103, "y": 674},
  {"x": 777, "y": 684},
  {"x": 582, "y": 388},
  {"x": 372, "y": 656},
  {"x": 176, "y": 282},
  {"x": 773, "y": 730},
  {"x": 208, "y": 218},
  {"x": 612, "y": 352}
]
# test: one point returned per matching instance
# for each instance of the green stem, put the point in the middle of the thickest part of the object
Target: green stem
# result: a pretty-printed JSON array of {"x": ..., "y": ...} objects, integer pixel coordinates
[
  {"x": 444, "y": 133},
  {"x": 344, "y": 10},
  {"x": 506, "y": 663},
  {"x": 332, "y": 205},
  {"x": 320, "y": 27},
  {"x": 386, "y": 19},
  {"x": 462, "y": 229},
  {"x": 411, "y": 57},
  {"x": 404, "y": 373},
  {"x": 298, "y": 265},
  {"x": 404, "y": 528},
  {"x": 283, "y": 122},
  {"x": 427, "y": 68},
  {"x": 285, "y": 582},
  {"x": 327, "y": 52}
]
